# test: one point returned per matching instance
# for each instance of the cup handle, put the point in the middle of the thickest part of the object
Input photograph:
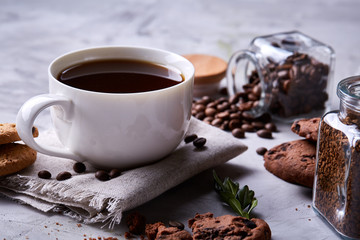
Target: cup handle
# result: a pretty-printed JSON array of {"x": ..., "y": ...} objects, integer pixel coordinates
[
  {"x": 26, "y": 118},
  {"x": 233, "y": 64}
]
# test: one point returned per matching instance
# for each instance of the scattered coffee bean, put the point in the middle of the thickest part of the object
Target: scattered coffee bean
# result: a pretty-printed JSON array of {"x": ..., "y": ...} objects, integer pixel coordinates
[
  {"x": 176, "y": 224},
  {"x": 238, "y": 133},
  {"x": 199, "y": 142},
  {"x": 79, "y": 167},
  {"x": 271, "y": 126},
  {"x": 44, "y": 174},
  {"x": 102, "y": 175},
  {"x": 261, "y": 151},
  {"x": 63, "y": 176},
  {"x": 114, "y": 173},
  {"x": 190, "y": 138},
  {"x": 263, "y": 133},
  {"x": 258, "y": 125}
]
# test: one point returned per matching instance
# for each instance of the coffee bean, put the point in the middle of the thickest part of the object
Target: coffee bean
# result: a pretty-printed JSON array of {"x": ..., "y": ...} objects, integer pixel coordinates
[
  {"x": 247, "y": 128},
  {"x": 234, "y": 99},
  {"x": 238, "y": 133},
  {"x": 223, "y": 115},
  {"x": 79, "y": 167},
  {"x": 235, "y": 123},
  {"x": 223, "y": 106},
  {"x": 176, "y": 224},
  {"x": 271, "y": 126},
  {"x": 246, "y": 106},
  {"x": 63, "y": 176},
  {"x": 199, "y": 107},
  {"x": 102, "y": 175},
  {"x": 211, "y": 105},
  {"x": 208, "y": 119},
  {"x": 210, "y": 112},
  {"x": 216, "y": 122},
  {"x": 261, "y": 151},
  {"x": 114, "y": 173},
  {"x": 258, "y": 125},
  {"x": 44, "y": 174},
  {"x": 225, "y": 125},
  {"x": 199, "y": 142},
  {"x": 264, "y": 133},
  {"x": 190, "y": 138},
  {"x": 247, "y": 116},
  {"x": 204, "y": 100},
  {"x": 235, "y": 115},
  {"x": 200, "y": 115}
]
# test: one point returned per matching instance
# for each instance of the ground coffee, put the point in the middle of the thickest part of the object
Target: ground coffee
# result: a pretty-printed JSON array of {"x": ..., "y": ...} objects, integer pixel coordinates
[{"x": 337, "y": 185}]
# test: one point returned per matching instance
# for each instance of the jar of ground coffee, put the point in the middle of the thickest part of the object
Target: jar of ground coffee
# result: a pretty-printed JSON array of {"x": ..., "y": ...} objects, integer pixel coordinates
[
  {"x": 336, "y": 194},
  {"x": 290, "y": 71}
]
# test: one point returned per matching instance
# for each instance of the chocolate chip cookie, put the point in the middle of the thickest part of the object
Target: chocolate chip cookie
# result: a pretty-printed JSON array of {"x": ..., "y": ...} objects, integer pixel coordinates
[
  {"x": 293, "y": 161},
  {"x": 206, "y": 226},
  {"x": 8, "y": 133},
  {"x": 15, "y": 157},
  {"x": 307, "y": 128}
]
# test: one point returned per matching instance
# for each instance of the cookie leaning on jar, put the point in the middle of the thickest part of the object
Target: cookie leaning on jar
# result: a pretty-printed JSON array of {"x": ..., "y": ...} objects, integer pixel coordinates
[{"x": 294, "y": 161}]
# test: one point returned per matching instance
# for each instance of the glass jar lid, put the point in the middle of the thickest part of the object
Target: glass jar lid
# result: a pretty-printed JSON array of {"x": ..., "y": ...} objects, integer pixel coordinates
[{"x": 348, "y": 91}]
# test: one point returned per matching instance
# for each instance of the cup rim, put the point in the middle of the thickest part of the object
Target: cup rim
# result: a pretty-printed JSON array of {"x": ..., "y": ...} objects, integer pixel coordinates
[{"x": 183, "y": 59}]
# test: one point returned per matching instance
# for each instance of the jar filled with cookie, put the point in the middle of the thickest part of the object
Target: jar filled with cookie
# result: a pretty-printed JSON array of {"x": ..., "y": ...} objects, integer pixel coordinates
[
  {"x": 336, "y": 192},
  {"x": 288, "y": 75}
]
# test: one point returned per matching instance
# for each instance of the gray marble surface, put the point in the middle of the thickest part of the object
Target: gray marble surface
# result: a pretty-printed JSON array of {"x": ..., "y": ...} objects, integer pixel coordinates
[{"x": 33, "y": 33}]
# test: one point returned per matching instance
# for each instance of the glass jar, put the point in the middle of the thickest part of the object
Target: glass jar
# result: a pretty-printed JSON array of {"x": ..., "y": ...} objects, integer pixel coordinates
[
  {"x": 292, "y": 70},
  {"x": 336, "y": 193}
]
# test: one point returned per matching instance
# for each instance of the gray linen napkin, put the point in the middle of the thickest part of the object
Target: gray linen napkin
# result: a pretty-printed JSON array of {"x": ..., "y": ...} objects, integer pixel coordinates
[{"x": 89, "y": 200}]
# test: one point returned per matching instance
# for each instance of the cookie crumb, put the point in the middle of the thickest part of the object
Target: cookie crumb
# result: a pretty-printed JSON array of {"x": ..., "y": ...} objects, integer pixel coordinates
[{"x": 128, "y": 235}]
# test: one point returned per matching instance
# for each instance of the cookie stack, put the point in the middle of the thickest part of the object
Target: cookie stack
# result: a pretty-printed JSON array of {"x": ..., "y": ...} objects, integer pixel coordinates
[
  {"x": 294, "y": 161},
  {"x": 14, "y": 156}
]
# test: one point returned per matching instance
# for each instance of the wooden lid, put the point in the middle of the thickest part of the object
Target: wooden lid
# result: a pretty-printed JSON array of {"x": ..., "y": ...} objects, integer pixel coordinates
[{"x": 208, "y": 69}]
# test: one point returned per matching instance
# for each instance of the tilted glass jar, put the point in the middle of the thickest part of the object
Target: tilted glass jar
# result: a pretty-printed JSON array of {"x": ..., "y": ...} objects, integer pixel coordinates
[
  {"x": 293, "y": 71},
  {"x": 336, "y": 192}
]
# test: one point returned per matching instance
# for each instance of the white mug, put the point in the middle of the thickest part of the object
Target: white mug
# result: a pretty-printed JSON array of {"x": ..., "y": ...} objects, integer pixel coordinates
[{"x": 112, "y": 130}]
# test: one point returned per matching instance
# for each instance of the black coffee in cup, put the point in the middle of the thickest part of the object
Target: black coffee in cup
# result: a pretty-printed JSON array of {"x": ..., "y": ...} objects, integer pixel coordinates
[{"x": 119, "y": 76}]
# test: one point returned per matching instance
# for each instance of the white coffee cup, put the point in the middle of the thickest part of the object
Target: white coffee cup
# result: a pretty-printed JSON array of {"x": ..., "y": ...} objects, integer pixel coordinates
[{"x": 112, "y": 130}]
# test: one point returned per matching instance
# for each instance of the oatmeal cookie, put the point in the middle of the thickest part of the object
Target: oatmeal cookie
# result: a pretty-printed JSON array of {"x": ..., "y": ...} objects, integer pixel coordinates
[
  {"x": 8, "y": 133},
  {"x": 15, "y": 157}
]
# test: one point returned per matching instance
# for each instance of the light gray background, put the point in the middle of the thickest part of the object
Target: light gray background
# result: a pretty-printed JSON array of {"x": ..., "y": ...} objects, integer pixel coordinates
[{"x": 33, "y": 33}]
